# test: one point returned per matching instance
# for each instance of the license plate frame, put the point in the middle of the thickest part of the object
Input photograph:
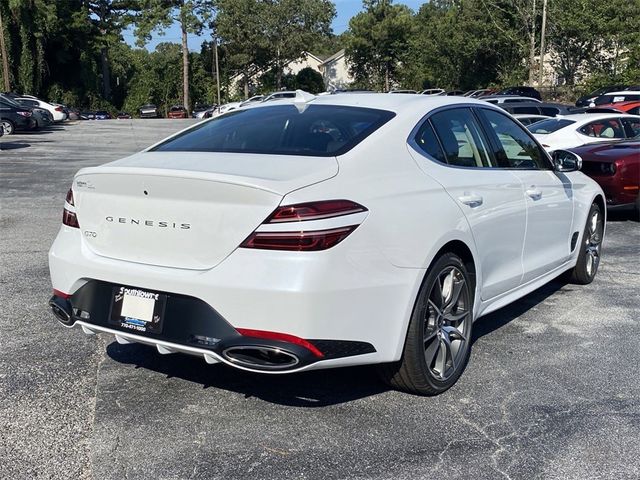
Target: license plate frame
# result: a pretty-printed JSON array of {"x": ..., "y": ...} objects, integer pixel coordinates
[{"x": 148, "y": 305}]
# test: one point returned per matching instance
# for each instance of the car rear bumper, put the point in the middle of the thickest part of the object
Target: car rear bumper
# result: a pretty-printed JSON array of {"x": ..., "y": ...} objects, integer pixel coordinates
[
  {"x": 191, "y": 326},
  {"x": 346, "y": 297}
]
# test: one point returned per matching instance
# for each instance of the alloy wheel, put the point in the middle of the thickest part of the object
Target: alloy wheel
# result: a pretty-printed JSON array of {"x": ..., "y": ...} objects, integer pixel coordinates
[
  {"x": 593, "y": 241},
  {"x": 447, "y": 324}
]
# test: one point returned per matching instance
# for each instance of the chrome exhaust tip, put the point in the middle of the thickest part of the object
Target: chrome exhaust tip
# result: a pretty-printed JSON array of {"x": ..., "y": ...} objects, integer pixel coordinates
[
  {"x": 259, "y": 357},
  {"x": 61, "y": 308}
]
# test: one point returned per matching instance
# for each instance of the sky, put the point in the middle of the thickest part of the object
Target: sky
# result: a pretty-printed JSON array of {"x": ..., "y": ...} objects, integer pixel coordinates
[{"x": 345, "y": 10}]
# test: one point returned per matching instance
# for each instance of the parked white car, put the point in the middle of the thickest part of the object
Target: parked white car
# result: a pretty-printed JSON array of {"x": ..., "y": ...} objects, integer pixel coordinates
[
  {"x": 500, "y": 99},
  {"x": 433, "y": 92},
  {"x": 568, "y": 131},
  {"x": 57, "y": 112},
  {"x": 325, "y": 232},
  {"x": 527, "y": 119}
]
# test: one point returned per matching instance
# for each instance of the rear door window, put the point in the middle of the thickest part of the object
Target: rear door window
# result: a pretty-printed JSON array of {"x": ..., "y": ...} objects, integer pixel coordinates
[
  {"x": 606, "y": 128},
  {"x": 427, "y": 141},
  {"x": 461, "y": 138}
]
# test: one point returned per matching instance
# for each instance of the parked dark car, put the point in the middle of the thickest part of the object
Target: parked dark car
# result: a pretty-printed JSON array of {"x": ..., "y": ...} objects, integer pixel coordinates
[
  {"x": 616, "y": 168},
  {"x": 103, "y": 115},
  {"x": 149, "y": 111},
  {"x": 586, "y": 100},
  {"x": 521, "y": 91},
  {"x": 123, "y": 116},
  {"x": 74, "y": 114},
  {"x": 177, "y": 111},
  {"x": 14, "y": 117},
  {"x": 87, "y": 115},
  {"x": 535, "y": 108},
  {"x": 619, "y": 97}
]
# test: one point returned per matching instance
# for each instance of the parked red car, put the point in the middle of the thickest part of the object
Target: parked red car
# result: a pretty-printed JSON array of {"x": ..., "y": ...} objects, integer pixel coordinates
[
  {"x": 632, "y": 107},
  {"x": 177, "y": 111},
  {"x": 616, "y": 167}
]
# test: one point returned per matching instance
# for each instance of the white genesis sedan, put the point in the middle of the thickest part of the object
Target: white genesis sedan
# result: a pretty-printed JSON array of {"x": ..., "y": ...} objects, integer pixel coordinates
[{"x": 323, "y": 232}]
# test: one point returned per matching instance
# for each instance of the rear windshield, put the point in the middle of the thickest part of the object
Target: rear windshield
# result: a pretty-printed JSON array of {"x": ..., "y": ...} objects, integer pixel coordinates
[
  {"x": 313, "y": 130},
  {"x": 549, "y": 126}
]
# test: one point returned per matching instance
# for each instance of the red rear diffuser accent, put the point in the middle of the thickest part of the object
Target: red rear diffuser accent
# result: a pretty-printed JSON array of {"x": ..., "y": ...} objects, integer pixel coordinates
[{"x": 283, "y": 337}]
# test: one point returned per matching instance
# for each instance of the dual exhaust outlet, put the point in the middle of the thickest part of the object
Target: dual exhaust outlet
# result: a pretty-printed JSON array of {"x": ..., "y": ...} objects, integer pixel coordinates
[{"x": 256, "y": 357}]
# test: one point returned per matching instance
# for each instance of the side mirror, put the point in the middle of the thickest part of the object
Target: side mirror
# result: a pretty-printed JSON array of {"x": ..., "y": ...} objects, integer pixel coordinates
[{"x": 566, "y": 161}]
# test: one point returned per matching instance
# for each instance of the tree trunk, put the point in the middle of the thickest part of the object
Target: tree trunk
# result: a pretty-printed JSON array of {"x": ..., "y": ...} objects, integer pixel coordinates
[
  {"x": 532, "y": 45},
  {"x": 106, "y": 74},
  {"x": 5, "y": 59},
  {"x": 386, "y": 77},
  {"x": 542, "y": 35},
  {"x": 185, "y": 69},
  {"x": 278, "y": 71}
]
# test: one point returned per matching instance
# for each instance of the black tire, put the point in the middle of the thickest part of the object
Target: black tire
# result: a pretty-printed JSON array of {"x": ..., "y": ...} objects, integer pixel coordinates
[
  {"x": 9, "y": 127},
  {"x": 429, "y": 367},
  {"x": 590, "y": 248}
]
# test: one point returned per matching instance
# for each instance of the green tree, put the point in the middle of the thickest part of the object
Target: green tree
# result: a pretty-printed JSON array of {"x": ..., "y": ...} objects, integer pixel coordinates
[
  {"x": 377, "y": 42},
  {"x": 109, "y": 18},
  {"x": 309, "y": 80},
  {"x": 158, "y": 15},
  {"x": 588, "y": 36},
  {"x": 238, "y": 24},
  {"x": 455, "y": 46},
  {"x": 291, "y": 26}
]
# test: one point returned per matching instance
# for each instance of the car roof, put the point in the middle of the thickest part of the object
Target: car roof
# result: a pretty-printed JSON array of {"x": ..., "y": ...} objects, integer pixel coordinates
[
  {"x": 622, "y": 92},
  {"x": 383, "y": 101}
]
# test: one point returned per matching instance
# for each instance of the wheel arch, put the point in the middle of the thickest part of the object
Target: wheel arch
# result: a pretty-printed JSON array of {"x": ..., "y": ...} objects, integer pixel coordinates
[{"x": 465, "y": 251}]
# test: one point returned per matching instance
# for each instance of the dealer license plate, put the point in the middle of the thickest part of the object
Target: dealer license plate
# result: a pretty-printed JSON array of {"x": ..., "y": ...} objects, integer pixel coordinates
[{"x": 137, "y": 310}]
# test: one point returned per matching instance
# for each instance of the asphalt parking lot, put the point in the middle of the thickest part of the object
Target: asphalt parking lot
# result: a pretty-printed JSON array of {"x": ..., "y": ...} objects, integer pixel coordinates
[{"x": 552, "y": 390}]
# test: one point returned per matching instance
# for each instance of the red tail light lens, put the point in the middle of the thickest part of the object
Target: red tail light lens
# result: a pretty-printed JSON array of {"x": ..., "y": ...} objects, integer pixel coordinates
[
  {"x": 314, "y": 211},
  {"x": 69, "y": 218},
  {"x": 305, "y": 240},
  {"x": 298, "y": 241},
  {"x": 58, "y": 109},
  {"x": 69, "y": 198}
]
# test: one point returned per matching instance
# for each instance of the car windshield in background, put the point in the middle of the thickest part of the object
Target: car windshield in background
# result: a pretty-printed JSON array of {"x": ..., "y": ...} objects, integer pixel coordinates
[
  {"x": 312, "y": 130},
  {"x": 549, "y": 126}
]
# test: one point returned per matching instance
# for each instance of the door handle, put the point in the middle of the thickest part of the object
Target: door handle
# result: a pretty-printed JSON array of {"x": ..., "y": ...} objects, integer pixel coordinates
[
  {"x": 534, "y": 193},
  {"x": 471, "y": 200}
]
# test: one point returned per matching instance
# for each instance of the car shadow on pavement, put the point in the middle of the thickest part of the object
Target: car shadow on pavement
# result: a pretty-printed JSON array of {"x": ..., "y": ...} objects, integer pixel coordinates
[
  {"x": 498, "y": 319},
  {"x": 306, "y": 389},
  {"x": 623, "y": 215},
  {"x": 319, "y": 388},
  {"x": 13, "y": 145}
]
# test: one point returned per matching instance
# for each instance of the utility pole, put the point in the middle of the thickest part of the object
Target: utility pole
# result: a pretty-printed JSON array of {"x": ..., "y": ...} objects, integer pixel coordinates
[
  {"x": 544, "y": 27},
  {"x": 215, "y": 56},
  {"x": 5, "y": 59}
]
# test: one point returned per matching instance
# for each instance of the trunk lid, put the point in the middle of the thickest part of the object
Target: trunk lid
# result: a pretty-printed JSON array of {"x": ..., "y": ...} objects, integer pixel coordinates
[{"x": 187, "y": 210}]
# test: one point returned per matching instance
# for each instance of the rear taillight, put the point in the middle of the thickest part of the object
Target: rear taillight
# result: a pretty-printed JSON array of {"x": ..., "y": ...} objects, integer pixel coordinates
[
  {"x": 69, "y": 213},
  {"x": 314, "y": 211},
  {"x": 306, "y": 239},
  {"x": 24, "y": 113},
  {"x": 58, "y": 109}
]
